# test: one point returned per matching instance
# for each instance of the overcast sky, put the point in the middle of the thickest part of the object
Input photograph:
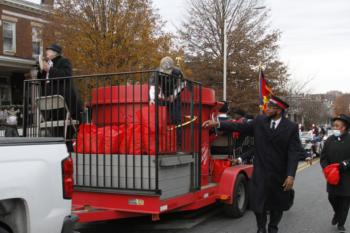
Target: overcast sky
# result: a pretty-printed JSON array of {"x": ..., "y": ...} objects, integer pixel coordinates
[{"x": 315, "y": 40}]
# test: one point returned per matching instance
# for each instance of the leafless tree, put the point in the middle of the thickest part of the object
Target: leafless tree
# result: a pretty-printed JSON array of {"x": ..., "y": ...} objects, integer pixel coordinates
[
  {"x": 250, "y": 41},
  {"x": 299, "y": 87}
]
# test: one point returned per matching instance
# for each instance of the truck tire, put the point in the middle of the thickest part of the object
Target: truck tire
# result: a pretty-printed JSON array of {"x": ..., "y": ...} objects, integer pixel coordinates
[
  {"x": 240, "y": 198},
  {"x": 4, "y": 228}
]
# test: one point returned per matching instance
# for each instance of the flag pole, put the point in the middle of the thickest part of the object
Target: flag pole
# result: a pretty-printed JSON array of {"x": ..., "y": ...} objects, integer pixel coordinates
[{"x": 261, "y": 104}]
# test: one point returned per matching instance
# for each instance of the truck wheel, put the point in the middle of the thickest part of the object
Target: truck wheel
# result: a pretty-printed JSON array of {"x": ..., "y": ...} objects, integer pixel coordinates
[
  {"x": 240, "y": 198},
  {"x": 4, "y": 228}
]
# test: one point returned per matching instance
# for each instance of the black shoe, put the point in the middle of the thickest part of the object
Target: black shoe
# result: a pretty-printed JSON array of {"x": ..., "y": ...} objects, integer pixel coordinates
[
  {"x": 261, "y": 230},
  {"x": 341, "y": 229},
  {"x": 334, "y": 220},
  {"x": 272, "y": 229}
]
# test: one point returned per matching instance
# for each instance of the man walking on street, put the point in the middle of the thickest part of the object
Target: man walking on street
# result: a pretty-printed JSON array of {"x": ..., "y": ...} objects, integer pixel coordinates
[{"x": 276, "y": 157}]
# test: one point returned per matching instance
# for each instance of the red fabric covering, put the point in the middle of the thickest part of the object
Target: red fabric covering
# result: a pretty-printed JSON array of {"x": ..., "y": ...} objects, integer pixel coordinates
[
  {"x": 109, "y": 139},
  {"x": 132, "y": 144},
  {"x": 167, "y": 141},
  {"x": 87, "y": 140},
  {"x": 132, "y": 138},
  {"x": 331, "y": 172},
  {"x": 218, "y": 168},
  {"x": 167, "y": 133},
  {"x": 112, "y": 137},
  {"x": 100, "y": 140},
  {"x": 141, "y": 139}
]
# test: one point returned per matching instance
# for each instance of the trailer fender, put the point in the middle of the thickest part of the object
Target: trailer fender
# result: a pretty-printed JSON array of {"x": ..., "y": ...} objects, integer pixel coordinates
[{"x": 228, "y": 180}]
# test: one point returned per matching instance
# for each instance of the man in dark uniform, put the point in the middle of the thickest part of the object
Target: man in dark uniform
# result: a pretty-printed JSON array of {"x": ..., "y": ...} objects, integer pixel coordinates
[
  {"x": 56, "y": 66},
  {"x": 277, "y": 149},
  {"x": 337, "y": 150},
  {"x": 56, "y": 72},
  {"x": 238, "y": 114}
]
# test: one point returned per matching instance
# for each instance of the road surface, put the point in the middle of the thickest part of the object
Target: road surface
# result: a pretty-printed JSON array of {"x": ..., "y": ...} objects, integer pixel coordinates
[{"x": 311, "y": 213}]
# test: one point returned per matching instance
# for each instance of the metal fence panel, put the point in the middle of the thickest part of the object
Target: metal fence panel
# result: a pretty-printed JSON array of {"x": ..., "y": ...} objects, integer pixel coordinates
[{"x": 117, "y": 126}]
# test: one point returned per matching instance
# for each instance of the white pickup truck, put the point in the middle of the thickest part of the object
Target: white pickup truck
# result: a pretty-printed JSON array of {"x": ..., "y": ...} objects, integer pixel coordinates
[{"x": 36, "y": 186}]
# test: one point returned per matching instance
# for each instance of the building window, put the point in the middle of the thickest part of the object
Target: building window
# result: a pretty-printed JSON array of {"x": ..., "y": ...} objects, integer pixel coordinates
[
  {"x": 5, "y": 91},
  {"x": 9, "y": 37},
  {"x": 37, "y": 44}
]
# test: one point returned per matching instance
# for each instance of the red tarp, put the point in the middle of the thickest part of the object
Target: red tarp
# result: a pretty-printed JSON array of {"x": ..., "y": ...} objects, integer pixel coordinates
[
  {"x": 167, "y": 133},
  {"x": 99, "y": 140},
  {"x": 137, "y": 138}
]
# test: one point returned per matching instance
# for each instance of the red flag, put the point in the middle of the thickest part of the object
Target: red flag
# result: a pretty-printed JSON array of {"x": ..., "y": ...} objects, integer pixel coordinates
[{"x": 264, "y": 90}]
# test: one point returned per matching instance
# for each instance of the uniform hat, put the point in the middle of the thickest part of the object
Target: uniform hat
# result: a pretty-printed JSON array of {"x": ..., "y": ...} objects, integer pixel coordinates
[
  {"x": 274, "y": 100},
  {"x": 344, "y": 118},
  {"x": 55, "y": 47}
]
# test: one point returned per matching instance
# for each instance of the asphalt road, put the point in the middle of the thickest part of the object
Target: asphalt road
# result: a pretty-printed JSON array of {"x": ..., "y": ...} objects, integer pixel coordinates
[{"x": 311, "y": 213}]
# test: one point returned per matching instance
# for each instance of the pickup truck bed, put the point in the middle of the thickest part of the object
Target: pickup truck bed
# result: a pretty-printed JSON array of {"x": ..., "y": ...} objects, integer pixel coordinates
[{"x": 31, "y": 186}]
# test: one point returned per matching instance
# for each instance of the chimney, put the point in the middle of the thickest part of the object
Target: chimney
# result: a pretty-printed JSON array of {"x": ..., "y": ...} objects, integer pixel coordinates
[{"x": 47, "y": 2}]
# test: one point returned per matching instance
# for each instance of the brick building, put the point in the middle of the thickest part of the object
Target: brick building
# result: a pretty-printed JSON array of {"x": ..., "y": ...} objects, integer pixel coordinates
[{"x": 21, "y": 25}]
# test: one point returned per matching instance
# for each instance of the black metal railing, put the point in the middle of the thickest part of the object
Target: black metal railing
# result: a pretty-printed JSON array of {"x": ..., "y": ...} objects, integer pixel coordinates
[{"x": 117, "y": 126}]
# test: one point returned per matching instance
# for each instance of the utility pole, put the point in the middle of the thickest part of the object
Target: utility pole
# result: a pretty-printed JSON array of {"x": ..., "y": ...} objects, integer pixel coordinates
[{"x": 225, "y": 61}]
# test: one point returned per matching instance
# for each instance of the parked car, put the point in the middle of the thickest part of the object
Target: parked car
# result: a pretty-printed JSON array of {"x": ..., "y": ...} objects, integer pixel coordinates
[
  {"x": 306, "y": 139},
  {"x": 36, "y": 186}
]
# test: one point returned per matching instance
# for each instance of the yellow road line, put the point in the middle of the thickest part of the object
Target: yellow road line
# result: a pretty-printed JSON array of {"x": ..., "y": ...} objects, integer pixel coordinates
[{"x": 306, "y": 164}]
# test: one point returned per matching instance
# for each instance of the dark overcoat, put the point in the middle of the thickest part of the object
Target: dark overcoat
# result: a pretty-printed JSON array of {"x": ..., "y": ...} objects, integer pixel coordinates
[
  {"x": 277, "y": 154},
  {"x": 62, "y": 68},
  {"x": 336, "y": 151}
]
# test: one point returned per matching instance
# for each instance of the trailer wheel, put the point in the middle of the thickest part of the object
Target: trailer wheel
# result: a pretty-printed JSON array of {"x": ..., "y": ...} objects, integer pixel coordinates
[{"x": 240, "y": 198}]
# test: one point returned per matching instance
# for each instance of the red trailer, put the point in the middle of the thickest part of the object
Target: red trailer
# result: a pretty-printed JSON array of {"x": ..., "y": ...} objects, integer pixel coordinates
[{"x": 139, "y": 148}]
